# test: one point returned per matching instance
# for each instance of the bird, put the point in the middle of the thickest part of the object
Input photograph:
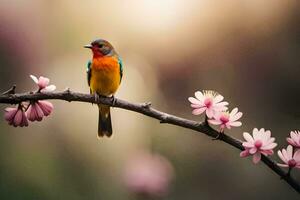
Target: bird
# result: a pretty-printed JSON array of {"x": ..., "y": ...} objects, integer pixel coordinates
[{"x": 104, "y": 75}]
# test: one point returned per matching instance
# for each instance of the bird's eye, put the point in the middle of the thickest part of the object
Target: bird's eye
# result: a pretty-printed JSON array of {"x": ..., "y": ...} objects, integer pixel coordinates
[{"x": 100, "y": 45}]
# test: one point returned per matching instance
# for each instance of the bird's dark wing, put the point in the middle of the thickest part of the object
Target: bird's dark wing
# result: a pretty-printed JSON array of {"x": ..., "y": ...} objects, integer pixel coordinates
[
  {"x": 88, "y": 72},
  {"x": 121, "y": 68}
]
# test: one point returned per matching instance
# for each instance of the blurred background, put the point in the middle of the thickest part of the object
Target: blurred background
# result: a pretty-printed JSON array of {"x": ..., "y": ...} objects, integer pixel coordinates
[{"x": 246, "y": 50}]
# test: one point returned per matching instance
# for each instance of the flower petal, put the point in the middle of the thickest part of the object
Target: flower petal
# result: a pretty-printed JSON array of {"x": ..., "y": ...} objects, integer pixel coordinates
[
  {"x": 39, "y": 112},
  {"x": 248, "y": 145},
  {"x": 255, "y": 134},
  {"x": 209, "y": 113},
  {"x": 198, "y": 111},
  {"x": 218, "y": 98},
  {"x": 46, "y": 107},
  {"x": 24, "y": 120},
  {"x": 34, "y": 78},
  {"x": 196, "y": 106},
  {"x": 233, "y": 112},
  {"x": 282, "y": 165},
  {"x": 10, "y": 114},
  {"x": 284, "y": 153},
  {"x": 235, "y": 124},
  {"x": 289, "y": 151},
  {"x": 31, "y": 114},
  {"x": 244, "y": 153},
  {"x": 293, "y": 135},
  {"x": 43, "y": 82},
  {"x": 265, "y": 136},
  {"x": 214, "y": 122},
  {"x": 18, "y": 118},
  {"x": 291, "y": 142},
  {"x": 236, "y": 116},
  {"x": 199, "y": 95},
  {"x": 269, "y": 147},
  {"x": 248, "y": 137},
  {"x": 282, "y": 157},
  {"x": 271, "y": 140},
  {"x": 194, "y": 101},
  {"x": 267, "y": 152},
  {"x": 297, "y": 155},
  {"x": 222, "y": 106},
  {"x": 49, "y": 88},
  {"x": 253, "y": 150},
  {"x": 256, "y": 157}
]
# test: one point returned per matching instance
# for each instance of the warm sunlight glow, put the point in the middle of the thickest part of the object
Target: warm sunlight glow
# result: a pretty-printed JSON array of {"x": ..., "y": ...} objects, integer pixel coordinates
[{"x": 157, "y": 14}]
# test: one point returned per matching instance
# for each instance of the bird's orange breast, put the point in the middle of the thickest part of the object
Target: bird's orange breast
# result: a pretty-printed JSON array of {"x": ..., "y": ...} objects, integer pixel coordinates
[{"x": 105, "y": 75}]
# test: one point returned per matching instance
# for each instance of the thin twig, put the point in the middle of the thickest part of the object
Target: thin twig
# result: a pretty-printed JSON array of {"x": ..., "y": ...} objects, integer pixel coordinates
[
  {"x": 146, "y": 109},
  {"x": 10, "y": 90}
]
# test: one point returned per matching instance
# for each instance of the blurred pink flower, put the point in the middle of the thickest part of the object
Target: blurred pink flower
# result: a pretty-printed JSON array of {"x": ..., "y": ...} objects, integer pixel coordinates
[
  {"x": 43, "y": 83},
  {"x": 294, "y": 139},
  {"x": 16, "y": 116},
  {"x": 208, "y": 101},
  {"x": 226, "y": 119},
  {"x": 38, "y": 109},
  {"x": 260, "y": 143},
  {"x": 148, "y": 175},
  {"x": 290, "y": 160}
]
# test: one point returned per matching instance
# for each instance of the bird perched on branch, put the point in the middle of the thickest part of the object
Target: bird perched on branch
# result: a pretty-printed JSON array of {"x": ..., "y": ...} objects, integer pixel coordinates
[{"x": 104, "y": 75}]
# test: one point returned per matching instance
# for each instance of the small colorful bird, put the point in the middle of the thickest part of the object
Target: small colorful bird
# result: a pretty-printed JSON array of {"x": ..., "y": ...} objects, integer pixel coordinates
[{"x": 104, "y": 75}]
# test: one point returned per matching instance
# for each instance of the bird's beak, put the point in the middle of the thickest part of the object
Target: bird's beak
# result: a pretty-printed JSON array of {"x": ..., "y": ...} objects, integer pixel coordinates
[{"x": 88, "y": 46}]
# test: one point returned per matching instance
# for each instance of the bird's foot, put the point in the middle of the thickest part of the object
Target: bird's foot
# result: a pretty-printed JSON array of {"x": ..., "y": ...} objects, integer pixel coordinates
[
  {"x": 113, "y": 100},
  {"x": 97, "y": 97}
]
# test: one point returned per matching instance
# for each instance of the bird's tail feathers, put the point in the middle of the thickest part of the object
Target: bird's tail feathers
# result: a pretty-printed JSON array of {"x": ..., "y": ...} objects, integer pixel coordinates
[{"x": 104, "y": 123}]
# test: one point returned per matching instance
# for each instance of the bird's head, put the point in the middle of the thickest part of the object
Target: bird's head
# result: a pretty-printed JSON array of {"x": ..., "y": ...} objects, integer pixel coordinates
[{"x": 101, "y": 48}]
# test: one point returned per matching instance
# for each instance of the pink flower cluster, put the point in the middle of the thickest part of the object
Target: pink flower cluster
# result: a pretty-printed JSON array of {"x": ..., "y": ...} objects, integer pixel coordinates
[
  {"x": 16, "y": 116},
  {"x": 290, "y": 158},
  {"x": 215, "y": 109},
  {"x": 260, "y": 142},
  {"x": 43, "y": 83},
  {"x": 291, "y": 155},
  {"x": 35, "y": 111},
  {"x": 263, "y": 143},
  {"x": 294, "y": 139}
]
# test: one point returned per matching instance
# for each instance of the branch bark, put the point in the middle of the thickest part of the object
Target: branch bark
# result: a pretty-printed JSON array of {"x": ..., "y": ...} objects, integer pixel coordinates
[{"x": 146, "y": 109}]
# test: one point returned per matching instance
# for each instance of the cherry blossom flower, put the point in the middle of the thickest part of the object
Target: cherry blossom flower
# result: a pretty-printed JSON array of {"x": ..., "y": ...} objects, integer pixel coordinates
[
  {"x": 226, "y": 119},
  {"x": 148, "y": 175},
  {"x": 38, "y": 109},
  {"x": 16, "y": 116},
  {"x": 207, "y": 101},
  {"x": 46, "y": 107},
  {"x": 43, "y": 83},
  {"x": 294, "y": 139},
  {"x": 290, "y": 160},
  {"x": 260, "y": 143}
]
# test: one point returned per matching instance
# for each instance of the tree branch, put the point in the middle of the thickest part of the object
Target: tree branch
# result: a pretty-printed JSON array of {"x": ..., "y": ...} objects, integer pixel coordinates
[{"x": 146, "y": 109}]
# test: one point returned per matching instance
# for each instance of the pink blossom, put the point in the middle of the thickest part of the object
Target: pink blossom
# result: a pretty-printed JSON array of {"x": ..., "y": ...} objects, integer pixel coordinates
[
  {"x": 16, "y": 116},
  {"x": 226, "y": 119},
  {"x": 34, "y": 112},
  {"x": 290, "y": 160},
  {"x": 294, "y": 139},
  {"x": 148, "y": 175},
  {"x": 43, "y": 83},
  {"x": 209, "y": 102},
  {"x": 260, "y": 143},
  {"x": 46, "y": 107},
  {"x": 37, "y": 110}
]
